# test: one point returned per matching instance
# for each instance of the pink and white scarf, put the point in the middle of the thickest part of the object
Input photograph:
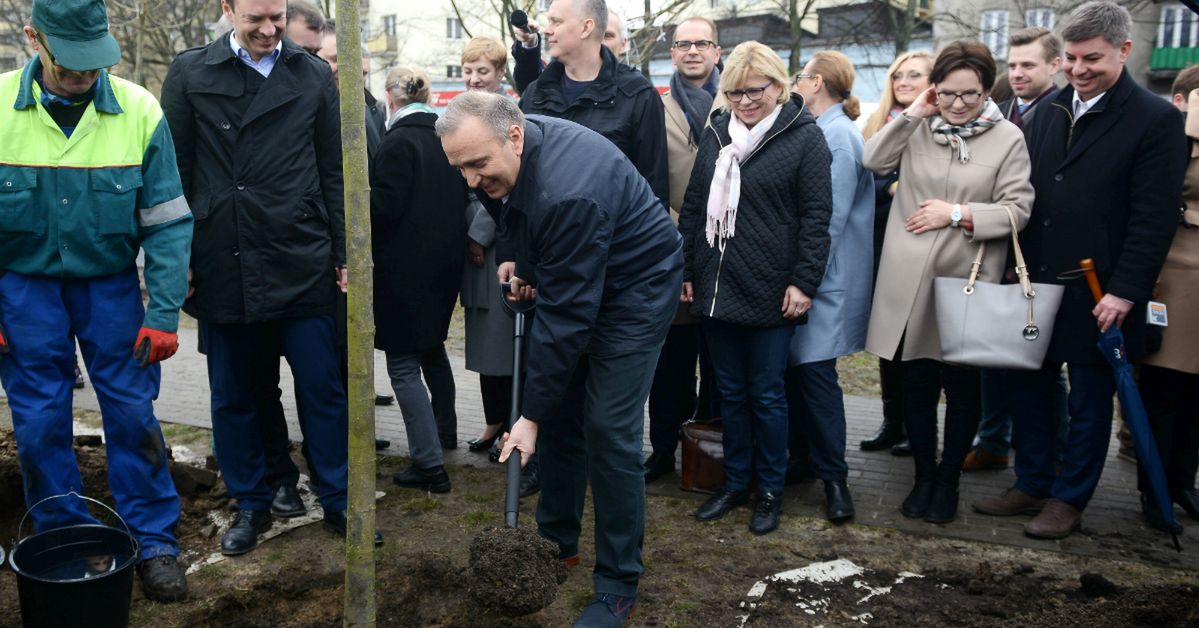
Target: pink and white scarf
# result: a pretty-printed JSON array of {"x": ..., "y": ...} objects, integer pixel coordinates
[{"x": 725, "y": 193}]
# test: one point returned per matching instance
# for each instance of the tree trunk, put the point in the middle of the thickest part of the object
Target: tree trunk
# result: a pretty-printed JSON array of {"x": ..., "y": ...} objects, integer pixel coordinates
[
  {"x": 139, "y": 45},
  {"x": 646, "y": 48},
  {"x": 903, "y": 33},
  {"x": 795, "y": 63},
  {"x": 360, "y": 509}
]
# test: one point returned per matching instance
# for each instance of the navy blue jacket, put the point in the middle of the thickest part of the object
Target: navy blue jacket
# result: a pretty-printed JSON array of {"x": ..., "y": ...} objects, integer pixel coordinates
[
  {"x": 1108, "y": 188},
  {"x": 586, "y": 229}
]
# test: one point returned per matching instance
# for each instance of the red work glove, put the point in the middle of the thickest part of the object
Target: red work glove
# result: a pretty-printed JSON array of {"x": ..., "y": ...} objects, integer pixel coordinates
[
  {"x": 154, "y": 346},
  {"x": 3, "y": 342}
]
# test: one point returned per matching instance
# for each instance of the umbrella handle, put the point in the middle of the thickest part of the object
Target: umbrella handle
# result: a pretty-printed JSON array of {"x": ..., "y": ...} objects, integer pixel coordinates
[{"x": 1088, "y": 271}]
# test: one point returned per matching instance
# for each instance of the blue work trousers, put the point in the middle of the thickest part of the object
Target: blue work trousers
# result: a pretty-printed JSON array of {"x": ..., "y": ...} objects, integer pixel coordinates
[
  {"x": 309, "y": 346},
  {"x": 42, "y": 317}
]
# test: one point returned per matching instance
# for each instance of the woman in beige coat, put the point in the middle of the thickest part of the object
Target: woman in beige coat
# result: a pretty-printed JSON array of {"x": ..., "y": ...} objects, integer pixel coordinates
[{"x": 964, "y": 167}]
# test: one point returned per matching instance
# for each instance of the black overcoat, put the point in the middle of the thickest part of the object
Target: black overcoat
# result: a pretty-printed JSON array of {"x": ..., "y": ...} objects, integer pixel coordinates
[
  {"x": 1109, "y": 188},
  {"x": 418, "y": 235},
  {"x": 263, "y": 179}
]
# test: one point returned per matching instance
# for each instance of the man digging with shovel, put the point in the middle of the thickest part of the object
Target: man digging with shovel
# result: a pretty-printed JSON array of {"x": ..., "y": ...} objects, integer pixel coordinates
[{"x": 597, "y": 249}]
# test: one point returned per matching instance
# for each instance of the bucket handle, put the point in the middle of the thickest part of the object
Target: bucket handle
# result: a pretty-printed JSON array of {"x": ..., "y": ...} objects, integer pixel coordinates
[{"x": 99, "y": 503}]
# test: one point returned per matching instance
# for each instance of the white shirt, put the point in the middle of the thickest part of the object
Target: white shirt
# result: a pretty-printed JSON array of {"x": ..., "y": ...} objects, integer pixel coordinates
[
  {"x": 262, "y": 66},
  {"x": 1082, "y": 106}
]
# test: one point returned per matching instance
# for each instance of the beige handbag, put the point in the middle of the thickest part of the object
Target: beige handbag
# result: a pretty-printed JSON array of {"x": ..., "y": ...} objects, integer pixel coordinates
[{"x": 992, "y": 325}]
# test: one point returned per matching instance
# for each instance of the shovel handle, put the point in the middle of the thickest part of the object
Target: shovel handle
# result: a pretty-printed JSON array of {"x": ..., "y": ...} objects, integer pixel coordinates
[{"x": 1088, "y": 271}]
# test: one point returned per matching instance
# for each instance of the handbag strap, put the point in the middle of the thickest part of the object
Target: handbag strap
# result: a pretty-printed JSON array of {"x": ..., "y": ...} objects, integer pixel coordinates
[{"x": 1021, "y": 266}]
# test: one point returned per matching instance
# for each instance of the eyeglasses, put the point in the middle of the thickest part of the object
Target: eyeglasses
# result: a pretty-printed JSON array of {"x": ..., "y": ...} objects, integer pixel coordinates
[
  {"x": 753, "y": 93},
  {"x": 683, "y": 45},
  {"x": 42, "y": 42},
  {"x": 799, "y": 77},
  {"x": 911, "y": 76},
  {"x": 969, "y": 99}
]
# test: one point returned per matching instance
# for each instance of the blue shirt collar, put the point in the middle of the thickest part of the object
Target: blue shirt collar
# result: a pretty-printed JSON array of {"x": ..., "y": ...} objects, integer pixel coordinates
[
  {"x": 264, "y": 65},
  {"x": 102, "y": 95}
]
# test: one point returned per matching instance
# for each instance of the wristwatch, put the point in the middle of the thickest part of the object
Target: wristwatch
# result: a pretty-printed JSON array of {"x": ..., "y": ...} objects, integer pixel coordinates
[{"x": 955, "y": 216}]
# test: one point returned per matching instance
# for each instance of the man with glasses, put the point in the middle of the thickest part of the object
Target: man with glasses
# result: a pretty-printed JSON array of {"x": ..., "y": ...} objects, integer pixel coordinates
[
  {"x": 87, "y": 177},
  {"x": 692, "y": 96}
]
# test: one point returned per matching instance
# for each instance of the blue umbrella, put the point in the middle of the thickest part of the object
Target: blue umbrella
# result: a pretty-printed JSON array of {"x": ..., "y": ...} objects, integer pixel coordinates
[{"x": 1111, "y": 345}]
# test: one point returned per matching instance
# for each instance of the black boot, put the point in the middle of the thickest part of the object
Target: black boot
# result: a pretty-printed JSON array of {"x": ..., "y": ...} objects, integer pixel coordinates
[
  {"x": 766, "y": 512},
  {"x": 530, "y": 480},
  {"x": 335, "y": 522},
  {"x": 287, "y": 502},
  {"x": 889, "y": 434},
  {"x": 242, "y": 536},
  {"x": 916, "y": 504},
  {"x": 163, "y": 579},
  {"x": 658, "y": 465},
  {"x": 434, "y": 479},
  {"x": 943, "y": 506},
  {"x": 720, "y": 503},
  {"x": 838, "y": 505}
]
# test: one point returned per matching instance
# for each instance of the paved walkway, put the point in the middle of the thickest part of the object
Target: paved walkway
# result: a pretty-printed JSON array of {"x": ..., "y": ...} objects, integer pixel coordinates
[{"x": 1113, "y": 527}]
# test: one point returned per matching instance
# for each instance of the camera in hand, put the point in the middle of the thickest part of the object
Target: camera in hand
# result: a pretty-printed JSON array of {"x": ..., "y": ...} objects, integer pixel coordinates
[{"x": 519, "y": 19}]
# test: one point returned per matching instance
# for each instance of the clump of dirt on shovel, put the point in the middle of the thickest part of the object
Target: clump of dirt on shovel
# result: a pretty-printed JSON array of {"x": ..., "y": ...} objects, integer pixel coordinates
[{"x": 514, "y": 571}]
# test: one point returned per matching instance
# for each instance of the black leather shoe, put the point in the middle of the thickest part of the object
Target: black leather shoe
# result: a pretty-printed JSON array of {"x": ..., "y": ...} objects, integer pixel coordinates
[
  {"x": 493, "y": 454},
  {"x": 381, "y": 444},
  {"x": 530, "y": 480},
  {"x": 943, "y": 506},
  {"x": 916, "y": 504},
  {"x": 902, "y": 448},
  {"x": 888, "y": 434},
  {"x": 723, "y": 501},
  {"x": 766, "y": 513},
  {"x": 1189, "y": 500},
  {"x": 335, "y": 522},
  {"x": 1154, "y": 518},
  {"x": 384, "y": 400},
  {"x": 242, "y": 536},
  {"x": 163, "y": 579},
  {"x": 658, "y": 465},
  {"x": 434, "y": 480},
  {"x": 838, "y": 505},
  {"x": 483, "y": 444},
  {"x": 287, "y": 503}
]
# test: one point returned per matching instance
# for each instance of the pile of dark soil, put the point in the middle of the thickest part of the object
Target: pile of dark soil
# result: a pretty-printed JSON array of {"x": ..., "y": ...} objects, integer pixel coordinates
[
  {"x": 514, "y": 570},
  {"x": 1018, "y": 598}
]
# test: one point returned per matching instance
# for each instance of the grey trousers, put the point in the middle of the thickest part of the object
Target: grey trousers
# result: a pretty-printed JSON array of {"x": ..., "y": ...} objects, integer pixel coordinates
[{"x": 413, "y": 398}]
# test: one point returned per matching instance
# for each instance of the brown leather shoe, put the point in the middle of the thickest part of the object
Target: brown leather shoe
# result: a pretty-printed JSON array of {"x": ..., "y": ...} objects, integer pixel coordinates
[
  {"x": 1012, "y": 502},
  {"x": 980, "y": 459},
  {"x": 1056, "y": 521}
]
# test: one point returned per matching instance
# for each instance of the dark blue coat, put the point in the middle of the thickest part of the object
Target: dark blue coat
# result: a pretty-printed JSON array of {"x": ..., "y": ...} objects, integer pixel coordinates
[
  {"x": 1109, "y": 187},
  {"x": 586, "y": 229}
]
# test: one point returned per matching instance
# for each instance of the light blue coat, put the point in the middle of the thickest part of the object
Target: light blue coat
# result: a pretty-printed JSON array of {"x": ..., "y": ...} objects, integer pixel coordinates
[{"x": 840, "y": 310}]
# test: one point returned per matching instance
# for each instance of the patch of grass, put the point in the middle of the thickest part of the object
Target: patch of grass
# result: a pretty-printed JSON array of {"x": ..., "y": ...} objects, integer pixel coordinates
[
  {"x": 858, "y": 374},
  {"x": 578, "y": 597},
  {"x": 475, "y": 498},
  {"x": 477, "y": 518},
  {"x": 185, "y": 434},
  {"x": 275, "y": 557},
  {"x": 420, "y": 505}
]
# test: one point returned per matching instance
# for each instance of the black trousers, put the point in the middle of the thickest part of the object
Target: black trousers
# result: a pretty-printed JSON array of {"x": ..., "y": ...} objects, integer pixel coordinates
[
  {"x": 439, "y": 377},
  {"x": 922, "y": 381},
  {"x": 497, "y": 398},
  {"x": 672, "y": 396},
  {"x": 890, "y": 380},
  {"x": 1172, "y": 400}
]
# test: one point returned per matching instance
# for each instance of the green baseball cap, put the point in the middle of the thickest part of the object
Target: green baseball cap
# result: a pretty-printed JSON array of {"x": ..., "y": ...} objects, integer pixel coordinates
[{"x": 77, "y": 32}]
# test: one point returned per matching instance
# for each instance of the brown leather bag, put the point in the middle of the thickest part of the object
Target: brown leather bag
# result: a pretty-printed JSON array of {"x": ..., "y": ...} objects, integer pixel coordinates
[{"x": 703, "y": 457}]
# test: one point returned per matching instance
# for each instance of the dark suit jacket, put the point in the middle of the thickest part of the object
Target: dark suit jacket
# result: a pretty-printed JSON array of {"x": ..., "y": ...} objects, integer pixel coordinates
[{"x": 1108, "y": 188}]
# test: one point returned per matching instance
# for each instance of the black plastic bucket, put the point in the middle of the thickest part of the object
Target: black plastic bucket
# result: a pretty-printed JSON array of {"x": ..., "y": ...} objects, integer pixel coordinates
[{"x": 80, "y": 575}]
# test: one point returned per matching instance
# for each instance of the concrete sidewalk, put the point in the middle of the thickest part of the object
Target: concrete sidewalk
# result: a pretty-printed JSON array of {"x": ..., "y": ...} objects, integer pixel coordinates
[{"x": 1113, "y": 527}]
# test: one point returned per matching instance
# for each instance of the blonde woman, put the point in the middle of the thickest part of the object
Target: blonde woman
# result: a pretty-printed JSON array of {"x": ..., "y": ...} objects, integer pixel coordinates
[
  {"x": 908, "y": 78},
  {"x": 755, "y": 240}
]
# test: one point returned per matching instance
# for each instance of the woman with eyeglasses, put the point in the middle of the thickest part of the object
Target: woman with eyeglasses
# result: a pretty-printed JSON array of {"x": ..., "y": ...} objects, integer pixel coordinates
[
  {"x": 908, "y": 79},
  {"x": 755, "y": 239},
  {"x": 964, "y": 169}
]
